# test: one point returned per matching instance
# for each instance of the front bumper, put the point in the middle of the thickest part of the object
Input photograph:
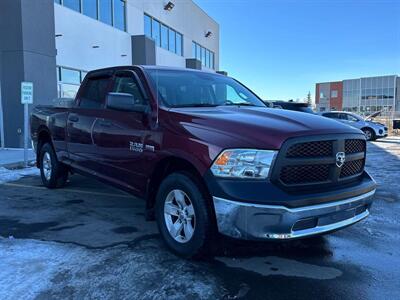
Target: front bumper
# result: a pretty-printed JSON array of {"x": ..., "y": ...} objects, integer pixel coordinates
[{"x": 258, "y": 221}]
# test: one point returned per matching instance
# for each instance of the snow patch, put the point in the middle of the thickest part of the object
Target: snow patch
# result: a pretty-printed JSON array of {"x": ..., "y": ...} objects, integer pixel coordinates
[{"x": 7, "y": 175}]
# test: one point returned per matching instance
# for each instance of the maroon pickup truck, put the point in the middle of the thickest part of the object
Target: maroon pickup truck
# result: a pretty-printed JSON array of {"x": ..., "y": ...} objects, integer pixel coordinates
[{"x": 207, "y": 156}]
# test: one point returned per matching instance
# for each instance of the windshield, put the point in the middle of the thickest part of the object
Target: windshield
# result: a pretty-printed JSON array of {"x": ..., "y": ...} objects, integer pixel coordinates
[
  {"x": 178, "y": 88},
  {"x": 306, "y": 109}
]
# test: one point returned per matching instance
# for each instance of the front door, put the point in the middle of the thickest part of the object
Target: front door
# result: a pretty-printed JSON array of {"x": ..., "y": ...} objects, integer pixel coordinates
[{"x": 121, "y": 137}]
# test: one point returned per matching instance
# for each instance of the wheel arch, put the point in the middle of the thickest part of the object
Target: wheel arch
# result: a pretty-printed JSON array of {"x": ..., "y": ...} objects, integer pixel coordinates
[
  {"x": 164, "y": 168},
  {"x": 44, "y": 136}
]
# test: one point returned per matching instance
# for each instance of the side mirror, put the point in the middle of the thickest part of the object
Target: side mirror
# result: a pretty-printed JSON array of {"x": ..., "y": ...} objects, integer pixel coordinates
[{"x": 125, "y": 102}]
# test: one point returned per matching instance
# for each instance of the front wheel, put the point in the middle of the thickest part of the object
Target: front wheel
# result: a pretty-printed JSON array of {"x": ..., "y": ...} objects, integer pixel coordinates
[
  {"x": 53, "y": 173},
  {"x": 183, "y": 217},
  {"x": 369, "y": 134}
]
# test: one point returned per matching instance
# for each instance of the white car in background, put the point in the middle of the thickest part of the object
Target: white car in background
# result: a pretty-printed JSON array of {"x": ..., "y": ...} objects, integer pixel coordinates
[{"x": 372, "y": 130}]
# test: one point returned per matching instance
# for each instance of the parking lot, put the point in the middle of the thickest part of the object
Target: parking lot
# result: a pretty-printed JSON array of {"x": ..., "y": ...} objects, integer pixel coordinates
[{"x": 88, "y": 240}]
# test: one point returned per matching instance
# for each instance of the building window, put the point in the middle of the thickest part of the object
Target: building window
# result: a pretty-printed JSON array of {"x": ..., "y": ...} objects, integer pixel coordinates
[
  {"x": 155, "y": 32},
  {"x": 206, "y": 56},
  {"x": 334, "y": 94},
  {"x": 69, "y": 81},
  {"x": 179, "y": 44},
  {"x": 105, "y": 11},
  {"x": 171, "y": 40},
  {"x": 164, "y": 36},
  {"x": 111, "y": 12},
  {"x": 72, "y": 4},
  {"x": 89, "y": 8},
  {"x": 147, "y": 26},
  {"x": 119, "y": 14}
]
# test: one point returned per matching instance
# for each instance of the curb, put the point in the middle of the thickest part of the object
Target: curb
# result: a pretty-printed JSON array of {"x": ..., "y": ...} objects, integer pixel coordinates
[{"x": 19, "y": 164}]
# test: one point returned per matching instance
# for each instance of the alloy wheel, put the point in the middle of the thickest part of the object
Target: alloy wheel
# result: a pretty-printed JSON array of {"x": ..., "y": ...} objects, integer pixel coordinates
[
  {"x": 179, "y": 216},
  {"x": 46, "y": 165}
]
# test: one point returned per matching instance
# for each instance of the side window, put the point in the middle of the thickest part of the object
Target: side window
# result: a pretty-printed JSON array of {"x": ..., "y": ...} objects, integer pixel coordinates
[
  {"x": 331, "y": 115},
  {"x": 351, "y": 118},
  {"x": 125, "y": 82},
  {"x": 94, "y": 92}
]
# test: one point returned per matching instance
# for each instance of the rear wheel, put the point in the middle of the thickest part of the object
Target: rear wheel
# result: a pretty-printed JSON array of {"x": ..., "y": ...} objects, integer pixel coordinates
[
  {"x": 369, "y": 134},
  {"x": 183, "y": 217},
  {"x": 54, "y": 174}
]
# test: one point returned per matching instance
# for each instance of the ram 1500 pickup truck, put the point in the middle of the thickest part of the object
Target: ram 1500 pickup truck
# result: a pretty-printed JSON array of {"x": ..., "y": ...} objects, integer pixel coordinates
[{"x": 207, "y": 156}]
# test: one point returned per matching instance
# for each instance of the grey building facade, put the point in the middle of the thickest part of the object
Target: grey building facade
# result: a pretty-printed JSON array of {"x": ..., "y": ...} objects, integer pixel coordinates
[{"x": 54, "y": 43}]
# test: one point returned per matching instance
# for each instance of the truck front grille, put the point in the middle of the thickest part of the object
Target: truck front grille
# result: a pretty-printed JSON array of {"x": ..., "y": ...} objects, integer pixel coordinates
[
  {"x": 305, "y": 174},
  {"x": 352, "y": 168},
  {"x": 310, "y": 149},
  {"x": 311, "y": 161},
  {"x": 354, "y": 146}
]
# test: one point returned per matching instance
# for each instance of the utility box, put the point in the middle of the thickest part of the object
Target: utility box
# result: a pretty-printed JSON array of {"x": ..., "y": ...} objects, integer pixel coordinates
[{"x": 396, "y": 124}]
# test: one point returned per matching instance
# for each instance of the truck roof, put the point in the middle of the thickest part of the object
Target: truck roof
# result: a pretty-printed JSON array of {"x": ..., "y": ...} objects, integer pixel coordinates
[{"x": 151, "y": 67}]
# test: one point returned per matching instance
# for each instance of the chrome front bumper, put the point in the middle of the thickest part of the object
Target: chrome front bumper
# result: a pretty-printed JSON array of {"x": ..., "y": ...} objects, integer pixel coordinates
[{"x": 253, "y": 221}]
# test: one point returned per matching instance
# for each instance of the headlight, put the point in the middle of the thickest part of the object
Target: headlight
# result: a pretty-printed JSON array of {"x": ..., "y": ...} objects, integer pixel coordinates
[{"x": 243, "y": 163}]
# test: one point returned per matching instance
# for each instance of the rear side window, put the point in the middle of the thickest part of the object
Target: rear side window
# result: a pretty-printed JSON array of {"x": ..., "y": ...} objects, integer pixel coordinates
[
  {"x": 94, "y": 92},
  {"x": 126, "y": 83},
  {"x": 332, "y": 115}
]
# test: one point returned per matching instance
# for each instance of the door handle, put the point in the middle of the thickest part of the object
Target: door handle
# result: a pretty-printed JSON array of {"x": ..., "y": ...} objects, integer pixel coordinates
[{"x": 73, "y": 118}]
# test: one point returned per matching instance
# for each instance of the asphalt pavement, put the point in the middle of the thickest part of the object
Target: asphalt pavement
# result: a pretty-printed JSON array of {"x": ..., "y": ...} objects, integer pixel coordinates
[{"x": 90, "y": 241}]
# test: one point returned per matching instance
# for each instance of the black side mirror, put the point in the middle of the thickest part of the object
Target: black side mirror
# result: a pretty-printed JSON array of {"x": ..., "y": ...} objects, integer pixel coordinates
[{"x": 125, "y": 102}]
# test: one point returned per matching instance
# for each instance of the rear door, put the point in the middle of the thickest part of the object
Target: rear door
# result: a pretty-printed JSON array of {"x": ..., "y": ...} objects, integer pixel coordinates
[
  {"x": 82, "y": 119},
  {"x": 123, "y": 138}
]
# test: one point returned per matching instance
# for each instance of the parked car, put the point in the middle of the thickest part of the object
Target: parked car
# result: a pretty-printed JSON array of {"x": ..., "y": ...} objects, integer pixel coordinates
[
  {"x": 295, "y": 106},
  {"x": 207, "y": 156},
  {"x": 372, "y": 130}
]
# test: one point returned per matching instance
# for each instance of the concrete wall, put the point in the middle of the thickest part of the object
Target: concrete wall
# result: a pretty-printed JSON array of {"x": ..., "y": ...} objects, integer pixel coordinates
[
  {"x": 80, "y": 33},
  {"x": 27, "y": 54}
]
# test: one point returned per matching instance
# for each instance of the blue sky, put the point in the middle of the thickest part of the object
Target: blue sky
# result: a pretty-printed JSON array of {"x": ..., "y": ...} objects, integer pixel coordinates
[{"x": 281, "y": 48}]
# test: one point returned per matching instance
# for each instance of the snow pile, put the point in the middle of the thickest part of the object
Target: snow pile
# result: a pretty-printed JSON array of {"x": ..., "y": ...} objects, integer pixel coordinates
[{"x": 7, "y": 175}]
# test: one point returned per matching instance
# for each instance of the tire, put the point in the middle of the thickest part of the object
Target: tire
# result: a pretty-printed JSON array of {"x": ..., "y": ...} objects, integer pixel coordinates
[
  {"x": 53, "y": 173},
  {"x": 175, "y": 218},
  {"x": 369, "y": 134}
]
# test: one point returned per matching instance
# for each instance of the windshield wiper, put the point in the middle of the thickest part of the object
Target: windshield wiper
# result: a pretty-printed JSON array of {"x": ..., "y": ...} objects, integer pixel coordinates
[
  {"x": 240, "y": 104},
  {"x": 196, "y": 105}
]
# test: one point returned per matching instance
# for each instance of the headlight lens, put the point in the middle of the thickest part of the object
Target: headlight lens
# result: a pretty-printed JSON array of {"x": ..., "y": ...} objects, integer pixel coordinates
[{"x": 243, "y": 163}]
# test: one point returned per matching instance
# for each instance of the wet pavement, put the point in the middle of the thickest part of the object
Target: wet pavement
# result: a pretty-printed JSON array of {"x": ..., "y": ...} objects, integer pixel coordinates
[{"x": 91, "y": 241}]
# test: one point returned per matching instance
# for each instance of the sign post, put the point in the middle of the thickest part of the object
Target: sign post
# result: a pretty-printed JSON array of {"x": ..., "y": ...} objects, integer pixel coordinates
[{"x": 26, "y": 99}]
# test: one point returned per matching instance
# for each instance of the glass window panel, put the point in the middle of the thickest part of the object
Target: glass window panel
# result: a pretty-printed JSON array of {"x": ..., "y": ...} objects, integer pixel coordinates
[
  {"x": 164, "y": 36},
  {"x": 207, "y": 58},
  {"x": 70, "y": 76},
  {"x": 179, "y": 44},
  {"x": 198, "y": 52},
  {"x": 105, "y": 13},
  {"x": 212, "y": 60},
  {"x": 119, "y": 14},
  {"x": 203, "y": 56},
  {"x": 171, "y": 40},
  {"x": 147, "y": 26},
  {"x": 89, "y": 8},
  {"x": 155, "y": 32},
  {"x": 193, "y": 50},
  {"x": 68, "y": 90},
  {"x": 73, "y": 4}
]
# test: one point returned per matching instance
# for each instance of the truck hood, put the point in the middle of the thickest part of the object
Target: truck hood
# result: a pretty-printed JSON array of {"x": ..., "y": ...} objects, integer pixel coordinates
[{"x": 259, "y": 127}]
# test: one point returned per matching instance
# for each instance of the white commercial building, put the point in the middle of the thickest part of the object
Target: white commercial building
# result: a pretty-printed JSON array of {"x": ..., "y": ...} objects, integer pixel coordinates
[{"x": 71, "y": 37}]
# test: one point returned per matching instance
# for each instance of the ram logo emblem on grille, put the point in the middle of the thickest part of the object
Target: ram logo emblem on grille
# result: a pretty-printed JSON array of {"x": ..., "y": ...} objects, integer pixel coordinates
[{"x": 340, "y": 159}]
